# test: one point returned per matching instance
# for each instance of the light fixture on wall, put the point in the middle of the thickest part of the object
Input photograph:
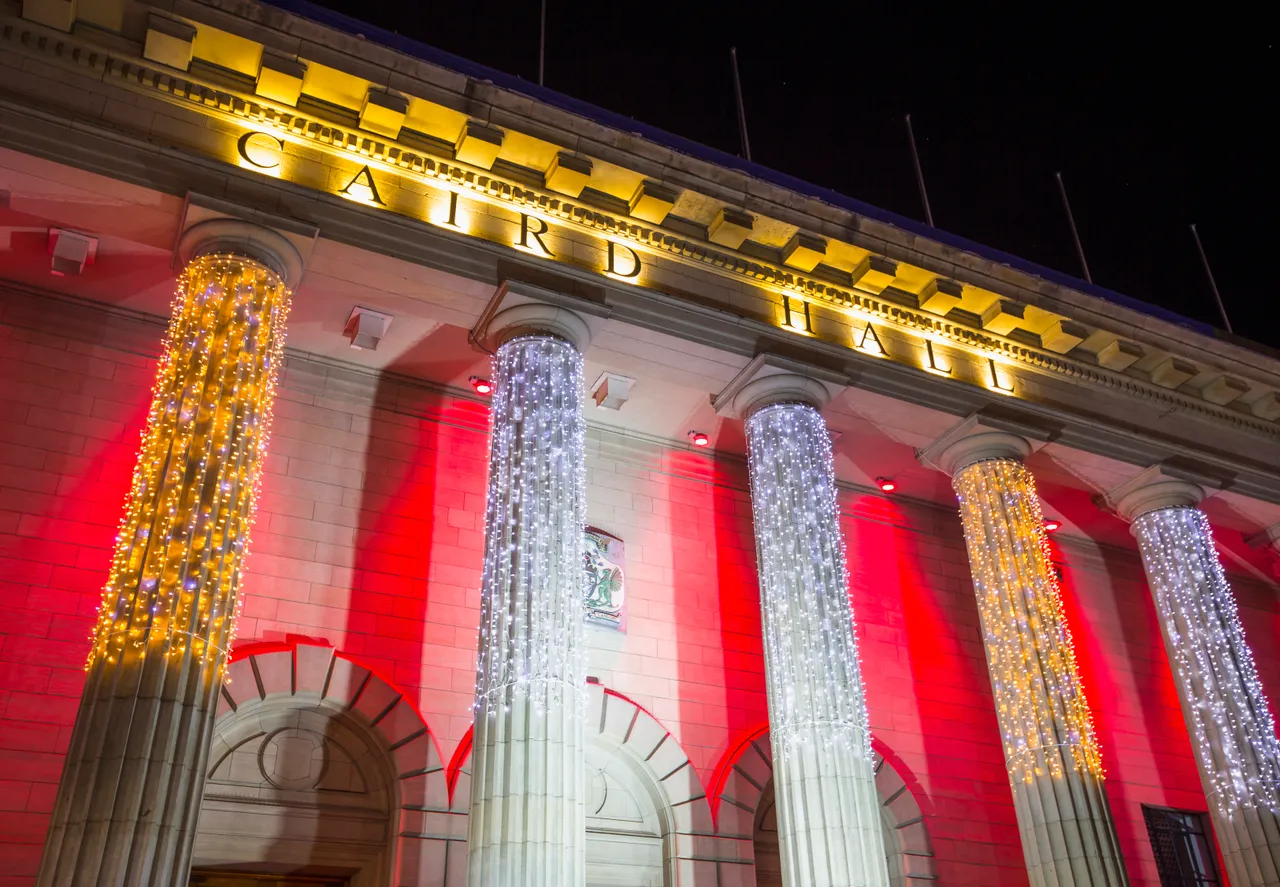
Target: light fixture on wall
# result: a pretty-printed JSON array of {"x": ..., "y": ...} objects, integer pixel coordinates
[
  {"x": 886, "y": 485},
  {"x": 481, "y": 386},
  {"x": 366, "y": 328},
  {"x": 71, "y": 252},
  {"x": 1050, "y": 524},
  {"x": 699, "y": 438}
]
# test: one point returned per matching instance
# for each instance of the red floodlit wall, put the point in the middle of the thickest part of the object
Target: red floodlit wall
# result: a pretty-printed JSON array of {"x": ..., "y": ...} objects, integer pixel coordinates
[{"x": 369, "y": 538}]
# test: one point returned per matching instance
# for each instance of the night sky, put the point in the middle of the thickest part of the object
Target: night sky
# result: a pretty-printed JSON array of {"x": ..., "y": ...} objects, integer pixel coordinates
[{"x": 1154, "y": 122}]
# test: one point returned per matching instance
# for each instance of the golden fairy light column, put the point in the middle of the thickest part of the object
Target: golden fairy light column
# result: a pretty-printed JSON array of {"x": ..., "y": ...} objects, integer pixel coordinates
[
  {"x": 126, "y": 808},
  {"x": 1055, "y": 768},
  {"x": 527, "y": 823},
  {"x": 1223, "y": 703}
]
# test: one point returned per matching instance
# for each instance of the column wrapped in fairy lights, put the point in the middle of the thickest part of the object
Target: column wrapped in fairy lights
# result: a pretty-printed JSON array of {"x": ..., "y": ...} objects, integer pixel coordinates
[
  {"x": 528, "y": 817},
  {"x": 132, "y": 783},
  {"x": 829, "y": 830},
  {"x": 1225, "y": 709},
  {"x": 1051, "y": 752}
]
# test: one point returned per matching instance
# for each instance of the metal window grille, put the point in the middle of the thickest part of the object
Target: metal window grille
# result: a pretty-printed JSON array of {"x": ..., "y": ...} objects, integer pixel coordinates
[{"x": 1183, "y": 847}]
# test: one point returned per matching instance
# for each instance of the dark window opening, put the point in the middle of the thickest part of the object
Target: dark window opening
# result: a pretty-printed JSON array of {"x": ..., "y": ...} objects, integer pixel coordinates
[{"x": 1183, "y": 846}]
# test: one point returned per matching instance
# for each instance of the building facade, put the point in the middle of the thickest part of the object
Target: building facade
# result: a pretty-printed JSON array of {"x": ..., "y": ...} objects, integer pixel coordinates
[{"x": 622, "y": 513}]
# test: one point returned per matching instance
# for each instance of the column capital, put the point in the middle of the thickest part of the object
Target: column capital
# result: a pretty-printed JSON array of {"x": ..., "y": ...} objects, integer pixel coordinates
[
  {"x": 1159, "y": 486},
  {"x": 980, "y": 437},
  {"x": 210, "y": 225},
  {"x": 770, "y": 379},
  {"x": 520, "y": 309},
  {"x": 534, "y": 318}
]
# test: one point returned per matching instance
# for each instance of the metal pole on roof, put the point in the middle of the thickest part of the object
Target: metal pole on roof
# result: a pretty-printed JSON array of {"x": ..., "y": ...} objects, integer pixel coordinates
[
  {"x": 742, "y": 111},
  {"x": 1213, "y": 284},
  {"x": 542, "y": 45},
  {"x": 1075, "y": 235},
  {"x": 915, "y": 158}
]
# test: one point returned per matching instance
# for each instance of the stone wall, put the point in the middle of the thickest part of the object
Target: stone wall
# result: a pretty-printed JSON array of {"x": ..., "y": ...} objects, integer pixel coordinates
[{"x": 369, "y": 539}]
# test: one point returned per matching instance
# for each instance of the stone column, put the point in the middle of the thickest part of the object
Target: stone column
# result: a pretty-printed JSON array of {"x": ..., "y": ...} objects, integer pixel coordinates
[
  {"x": 1222, "y": 700},
  {"x": 1055, "y": 769},
  {"x": 829, "y": 830},
  {"x": 126, "y": 808},
  {"x": 528, "y": 817}
]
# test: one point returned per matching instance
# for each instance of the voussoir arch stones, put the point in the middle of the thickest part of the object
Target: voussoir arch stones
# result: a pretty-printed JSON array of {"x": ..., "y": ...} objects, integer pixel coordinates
[
  {"x": 695, "y": 854},
  {"x": 750, "y": 773},
  {"x": 268, "y": 678}
]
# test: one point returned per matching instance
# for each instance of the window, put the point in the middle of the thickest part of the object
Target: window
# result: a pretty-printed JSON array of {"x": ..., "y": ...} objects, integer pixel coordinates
[{"x": 1183, "y": 847}]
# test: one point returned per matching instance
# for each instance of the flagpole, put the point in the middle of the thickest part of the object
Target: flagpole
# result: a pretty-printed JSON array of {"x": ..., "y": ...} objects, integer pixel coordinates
[
  {"x": 1071, "y": 219},
  {"x": 542, "y": 45},
  {"x": 915, "y": 158},
  {"x": 1213, "y": 284},
  {"x": 742, "y": 111}
]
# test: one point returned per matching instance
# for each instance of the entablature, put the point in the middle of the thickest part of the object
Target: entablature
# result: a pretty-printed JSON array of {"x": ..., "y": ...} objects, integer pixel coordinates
[{"x": 403, "y": 135}]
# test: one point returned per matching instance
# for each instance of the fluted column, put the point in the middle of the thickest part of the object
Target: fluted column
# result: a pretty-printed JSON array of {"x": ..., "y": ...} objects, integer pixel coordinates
[
  {"x": 1052, "y": 756},
  {"x": 131, "y": 787},
  {"x": 1226, "y": 712},
  {"x": 528, "y": 820},
  {"x": 829, "y": 830}
]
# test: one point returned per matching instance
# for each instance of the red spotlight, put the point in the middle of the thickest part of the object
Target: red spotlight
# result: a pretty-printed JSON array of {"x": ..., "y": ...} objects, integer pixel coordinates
[
  {"x": 699, "y": 438},
  {"x": 1050, "y": 524},
  {"x": 886, "y": 485},
  {"x": 482, "y": 386}
]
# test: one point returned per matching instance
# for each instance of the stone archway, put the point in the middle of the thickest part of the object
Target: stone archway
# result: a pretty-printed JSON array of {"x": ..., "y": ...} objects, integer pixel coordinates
[
  {"x": 746, "y": 809},
  {"x": 659, "y": 832},
  {"x": 320, "y": 767}
]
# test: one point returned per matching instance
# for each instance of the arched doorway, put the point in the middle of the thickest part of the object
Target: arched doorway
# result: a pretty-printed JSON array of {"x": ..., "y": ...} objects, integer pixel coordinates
[
  {"x": 747, "y": 807},
  {"x": 321, "y": 774},
  {"x": 626, "y": 830}
]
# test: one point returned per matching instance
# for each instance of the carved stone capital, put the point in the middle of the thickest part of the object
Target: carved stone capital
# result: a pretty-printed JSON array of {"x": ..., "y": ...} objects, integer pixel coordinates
[
  {"x": 211, "y": 225},
  {"x": 1159, "y": 486},
  {"x": 237, "y": 237},
  {"x": 540, "y": 318},
  {"x": 770, "y": 379},
  {"x": 979, "y": 438}
]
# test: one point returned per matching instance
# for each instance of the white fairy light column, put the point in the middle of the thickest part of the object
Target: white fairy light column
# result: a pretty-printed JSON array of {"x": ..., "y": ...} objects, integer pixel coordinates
[
  {"x": 829, "y": 830},
  {"x": 1227, "y": 715},
  {"x": 528, "y": 817},
  {"x": 1051, "y": 753},
  {"x": 131, "y": 786}
]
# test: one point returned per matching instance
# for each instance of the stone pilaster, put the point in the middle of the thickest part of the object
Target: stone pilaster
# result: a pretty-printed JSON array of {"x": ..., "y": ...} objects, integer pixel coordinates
[
  {"x": 829, "y": 830},
  {"x": 528, "y": 820},
  {"x": 126, "y": 807},
  {"x": 1055, "y": 770},
  {"x": 1227, "y": 715}
]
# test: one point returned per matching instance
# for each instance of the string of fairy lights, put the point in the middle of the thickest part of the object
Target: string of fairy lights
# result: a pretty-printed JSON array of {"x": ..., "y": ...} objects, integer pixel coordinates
[
  {"x": 1043, "y": 715},
  {"x": 175, "y": 573},
  {"x": 815, "y": 684},
  {"x": 531, "y": 636},
  {"x": 1231, "y": 723}
]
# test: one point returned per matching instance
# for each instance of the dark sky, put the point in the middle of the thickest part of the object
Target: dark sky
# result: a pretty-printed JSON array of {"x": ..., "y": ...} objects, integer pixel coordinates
[{"x": 1155, "y": 122}]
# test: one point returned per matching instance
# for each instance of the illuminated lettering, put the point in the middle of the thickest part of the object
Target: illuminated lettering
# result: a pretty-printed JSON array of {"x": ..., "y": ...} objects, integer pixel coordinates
[
  {"x": 526, "y": 232},
  {"x": 874, "y": 347},
  {"x": 265, "y": 142},
  {"x": 802, "y": 322},
  {"x": 363, "y": 179},
  {"x": 995, "y": 377},
  {"x": 612, "y": 264},
  {"x": 933, "y": 359}
]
